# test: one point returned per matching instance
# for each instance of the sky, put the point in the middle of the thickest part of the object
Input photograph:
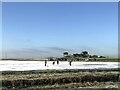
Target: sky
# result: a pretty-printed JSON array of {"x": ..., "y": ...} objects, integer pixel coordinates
[{"x": 34, "y": 30}]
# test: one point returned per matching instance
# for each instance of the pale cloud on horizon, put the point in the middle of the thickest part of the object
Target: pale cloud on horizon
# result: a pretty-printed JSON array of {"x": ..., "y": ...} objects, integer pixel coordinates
[
  {"x": 52, "y": 51},
  {"x": 35, "y": 52}
]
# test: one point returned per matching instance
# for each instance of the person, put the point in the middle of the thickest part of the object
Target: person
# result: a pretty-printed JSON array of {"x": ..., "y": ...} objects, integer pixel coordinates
[
  {"x": 53, "y": 62},
  {"x": 70, "y": 63},
  {"x": 45, "y": 62},
  {"x": 57, "y": 61},
  {"x": 94, "y": 59}
]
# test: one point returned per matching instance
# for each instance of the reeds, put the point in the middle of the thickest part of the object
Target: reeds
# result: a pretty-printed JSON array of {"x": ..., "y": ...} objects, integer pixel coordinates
[{"x": 87, "y": 78}]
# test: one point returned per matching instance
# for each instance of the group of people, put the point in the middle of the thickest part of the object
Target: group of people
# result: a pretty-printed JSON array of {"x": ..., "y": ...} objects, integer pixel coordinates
[
  {"x": 70, "y": 62},
  {"x": 57, "y": 62},
  {"x": 52, "y": 63}
]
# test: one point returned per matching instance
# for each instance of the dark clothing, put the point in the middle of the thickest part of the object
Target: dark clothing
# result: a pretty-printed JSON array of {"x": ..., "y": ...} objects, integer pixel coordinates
[
  {"x": 57, "y": 62},
  {"x": 45, "y": 63},
  {"x": 70, "y": 63},
  {"x": 94, "y": 59},
  {"x": 53, "y": 62}
]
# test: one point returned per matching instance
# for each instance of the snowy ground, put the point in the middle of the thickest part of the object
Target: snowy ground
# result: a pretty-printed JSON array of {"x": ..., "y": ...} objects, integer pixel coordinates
[{"x": 40, "y": 65}]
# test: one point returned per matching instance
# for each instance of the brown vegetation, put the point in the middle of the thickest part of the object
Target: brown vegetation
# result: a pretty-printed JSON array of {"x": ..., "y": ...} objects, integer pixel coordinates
[{"x": 22, "y": 81}]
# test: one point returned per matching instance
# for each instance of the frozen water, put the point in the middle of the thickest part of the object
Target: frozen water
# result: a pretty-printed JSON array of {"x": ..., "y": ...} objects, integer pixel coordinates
[{"x": 40, "y": 65}]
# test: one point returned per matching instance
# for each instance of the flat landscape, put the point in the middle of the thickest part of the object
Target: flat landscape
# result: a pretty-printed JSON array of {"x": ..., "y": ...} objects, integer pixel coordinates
[
  {"x": 35, "y": 75},
  {"x": 59, "y": 46},
  {"x": 40, "y": 65},
  {"x": 65, "y": 80}
]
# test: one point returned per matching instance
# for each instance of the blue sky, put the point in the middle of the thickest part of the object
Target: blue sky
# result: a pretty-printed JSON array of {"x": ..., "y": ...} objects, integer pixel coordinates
[{"x": 49, "y": 29}]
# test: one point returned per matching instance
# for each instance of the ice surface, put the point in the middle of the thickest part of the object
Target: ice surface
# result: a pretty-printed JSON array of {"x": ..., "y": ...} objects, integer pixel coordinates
[{"x": 40, "y": 65}]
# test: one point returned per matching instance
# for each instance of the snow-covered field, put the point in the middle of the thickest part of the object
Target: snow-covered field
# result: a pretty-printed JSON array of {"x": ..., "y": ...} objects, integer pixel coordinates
[{"x": 40, "y": 65}]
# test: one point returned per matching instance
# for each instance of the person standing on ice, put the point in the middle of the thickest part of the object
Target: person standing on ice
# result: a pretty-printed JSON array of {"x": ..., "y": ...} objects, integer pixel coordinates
[
  {"x": 53, "y": 62},
  {"x": 70, "y": 62},
  {"x": 45, "y": 62},
  {"x": 57, "y": 62}
]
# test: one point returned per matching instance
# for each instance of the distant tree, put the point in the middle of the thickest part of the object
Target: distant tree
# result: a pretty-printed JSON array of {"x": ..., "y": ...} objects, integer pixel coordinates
[
  {"x": 77, "y": 55},
  {"x": 90, "y": 56},
  {"x": 102, "y": 57},
  {"x": 85, "y": 54},
  {"x": 70, "y": 57},
  {"x": 65, "y": 54},
  {"x": 95, "y": 56}
]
